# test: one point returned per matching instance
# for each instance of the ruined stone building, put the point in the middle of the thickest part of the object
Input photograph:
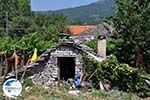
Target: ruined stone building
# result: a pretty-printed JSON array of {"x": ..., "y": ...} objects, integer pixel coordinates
[
  {"x": 63, "y": 61},
  {"x": 60, "y": 63}
]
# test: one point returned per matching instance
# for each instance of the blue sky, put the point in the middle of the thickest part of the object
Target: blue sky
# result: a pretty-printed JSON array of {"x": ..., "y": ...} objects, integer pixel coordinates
[{"x": 44, "y": 5}]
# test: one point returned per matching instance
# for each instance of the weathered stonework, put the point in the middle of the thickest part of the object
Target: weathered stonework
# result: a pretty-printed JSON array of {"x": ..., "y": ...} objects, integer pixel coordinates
[
  {"x": 50, "y": 71},
  {"x": 46, "y": 70}
]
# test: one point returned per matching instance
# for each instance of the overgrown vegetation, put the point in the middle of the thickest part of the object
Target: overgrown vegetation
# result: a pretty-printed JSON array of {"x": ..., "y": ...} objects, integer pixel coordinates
[
  {"x": 122, "y": 76},
  {"x": 23, "y": 30},
  {"x": 92, "y": 44},
  {"x": 112, "y": 46},
  {"x": 131, "y": 24}
]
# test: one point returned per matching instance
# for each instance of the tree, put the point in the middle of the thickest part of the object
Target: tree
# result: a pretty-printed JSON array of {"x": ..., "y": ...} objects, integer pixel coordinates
[
  {"x": 132, "y": 25},
  {"x": 24, "y": 7},
  {"x": 9, "y": 9},
  {"x": 50, "y": 25},
  {"x": 21, "y": 25},
  {"x": 25, "y": 30}
]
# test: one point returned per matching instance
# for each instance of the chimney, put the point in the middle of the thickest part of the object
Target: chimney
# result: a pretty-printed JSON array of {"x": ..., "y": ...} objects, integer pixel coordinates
[
  {"x": 102, "y": 46},
  {"x": 63, "y": 37}
]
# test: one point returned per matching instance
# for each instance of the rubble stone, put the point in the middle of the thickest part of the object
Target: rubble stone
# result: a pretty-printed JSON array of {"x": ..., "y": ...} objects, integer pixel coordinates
[{"x": 47, "y": 71}]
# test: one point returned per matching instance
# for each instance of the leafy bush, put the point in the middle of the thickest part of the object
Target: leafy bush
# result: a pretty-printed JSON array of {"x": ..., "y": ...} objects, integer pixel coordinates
[
  {"x": 112, "y": 46},
  {"x": 6, "y": 43},
  {"x": 93, "y": 44},
  {"x": 26, "y": 43},
  {"x": 30, "y": 41},
  {"x": 122, "y": 76}
]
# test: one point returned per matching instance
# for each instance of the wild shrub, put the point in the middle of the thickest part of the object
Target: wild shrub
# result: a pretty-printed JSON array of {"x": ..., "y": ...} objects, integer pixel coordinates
[{"x": 122, "y": 76}]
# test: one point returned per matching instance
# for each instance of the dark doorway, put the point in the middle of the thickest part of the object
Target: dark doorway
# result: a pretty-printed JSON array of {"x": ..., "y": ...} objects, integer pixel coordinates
[{"x": 67, "y": 67}]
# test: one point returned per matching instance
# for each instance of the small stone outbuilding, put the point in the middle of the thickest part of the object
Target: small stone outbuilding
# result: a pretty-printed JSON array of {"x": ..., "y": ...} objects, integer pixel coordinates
[
  {"x": 61, "y": 62},
  {"x": 58, "y": 63}
]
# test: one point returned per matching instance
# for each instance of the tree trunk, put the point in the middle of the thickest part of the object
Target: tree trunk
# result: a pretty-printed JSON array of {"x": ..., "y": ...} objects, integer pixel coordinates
[{"x": 139, "y": 58}]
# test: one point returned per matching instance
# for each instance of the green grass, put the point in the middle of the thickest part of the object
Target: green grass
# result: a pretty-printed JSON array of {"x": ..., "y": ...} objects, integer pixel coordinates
[
  {"x": 61, "y": 93},
  {"x": 40, "y": 93}
]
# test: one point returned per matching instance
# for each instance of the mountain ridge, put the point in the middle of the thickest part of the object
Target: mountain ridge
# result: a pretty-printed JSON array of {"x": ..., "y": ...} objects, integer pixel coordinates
[{"x": 91, "y": 13}]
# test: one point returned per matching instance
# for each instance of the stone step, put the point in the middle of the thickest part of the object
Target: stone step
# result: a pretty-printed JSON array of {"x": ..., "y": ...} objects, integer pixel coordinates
[
  {"x": 45, "y": 54},
  {"x": 40, "y": 59},
  {"x": 32, "y": 65}
]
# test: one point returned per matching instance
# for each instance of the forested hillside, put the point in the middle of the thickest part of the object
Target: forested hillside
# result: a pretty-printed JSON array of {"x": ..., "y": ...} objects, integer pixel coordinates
[{"x": 91, "y": 13}]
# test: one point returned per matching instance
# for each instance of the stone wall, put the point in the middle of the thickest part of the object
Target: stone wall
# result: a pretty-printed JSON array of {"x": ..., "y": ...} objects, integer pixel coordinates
[
  {"x": 44, "y": 71},
  {"x": 48, "y": 75}
]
